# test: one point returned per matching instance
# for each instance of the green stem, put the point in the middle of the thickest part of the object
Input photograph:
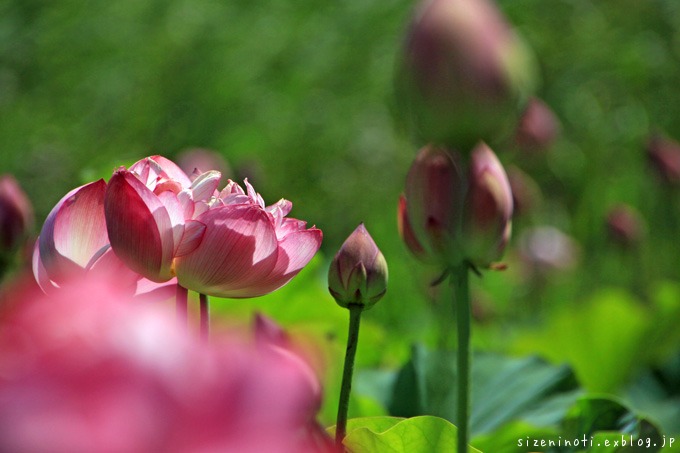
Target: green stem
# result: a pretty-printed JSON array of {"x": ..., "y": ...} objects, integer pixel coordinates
[
  {"x": 204, "y": 316},
  {"x": 461, "y": 303},
  {"x": 182, "y": 305},
  {"x": 348, "y": 370}
]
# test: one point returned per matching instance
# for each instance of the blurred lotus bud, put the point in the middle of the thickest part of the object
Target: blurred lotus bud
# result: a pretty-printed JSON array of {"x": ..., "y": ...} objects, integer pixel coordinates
[
  {"x": 526, "y": 194},
  {"x": 358, "y": 273},
  {"x": 268, "y": 332},
  {"x": 538, "y": 127},
  {"x": 431, "y": 210},
  {"x": 546, "y": 248},
  {"x": 16, "y": 214},
  {"x": 203, "y": 160},
  {"x": 625, "y": 225},
  {"x": 664, "y": 156},
  {"x": 464, "y": 73},
  {"x": 488, "y": 208}
]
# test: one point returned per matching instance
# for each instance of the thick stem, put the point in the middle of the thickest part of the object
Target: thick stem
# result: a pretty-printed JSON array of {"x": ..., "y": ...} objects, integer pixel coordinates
[
  {"x": 205, "y": 316},
  {"x": 461, "y": 304},
  {"x": 182, "y": 305},
  {"x": 348, "y": 370}
]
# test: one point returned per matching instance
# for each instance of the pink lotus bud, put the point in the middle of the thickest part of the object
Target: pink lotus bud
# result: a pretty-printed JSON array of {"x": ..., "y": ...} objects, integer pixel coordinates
[
  {"x": 16, "y": 214},
  {"x": 432, "y": 211},
  {"x": 664, "y": 156},
  {"x": 358, "y": 273},
  {"x": 538, "y": 126},
  {"x": 464, "y": 72},
  {"x": 625, "y": 225},
  {"x": 488, "y": 208}
]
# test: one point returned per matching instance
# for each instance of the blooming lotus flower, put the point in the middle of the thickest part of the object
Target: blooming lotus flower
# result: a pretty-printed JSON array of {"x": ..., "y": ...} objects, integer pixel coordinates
[
  {"x": 225, "y": 244},
  {"x": 445, "y": 217},
  {"x": 16, "y": 214},
  {"x": 80, "y": 376}
]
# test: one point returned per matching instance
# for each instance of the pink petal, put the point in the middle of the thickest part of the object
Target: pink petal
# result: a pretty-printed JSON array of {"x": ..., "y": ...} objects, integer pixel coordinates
[
  {"x": 238, "y": 250},
  {"x": 172, "y": 170},
  {"x": 205, "y": 185},
  {"x": 295, "y": 251},
  {"x": 40, "y": 272},
  {"x": 193, "y": 235},
  {"x": 74, "y": 230},
  {"x": 148, "y": 291},
  {"x": 256, "y": 197},
  {"x": 139, "y": 227},
  {"x": 176, "y": 213}
]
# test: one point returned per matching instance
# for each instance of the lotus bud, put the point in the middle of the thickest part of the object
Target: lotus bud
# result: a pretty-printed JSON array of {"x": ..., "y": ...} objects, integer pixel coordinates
[
  {"x": 358, "y": 273},
  {"x": 538, "y": 126},
  {"x": 434, "y": 195},
  {"x": 625, "y": 225},
  {"x": 488, "y": 208},
  {"x": 664, "y": 156},
  {"x": 464, "y": 73},
  {"x": 16, "y": 214}
]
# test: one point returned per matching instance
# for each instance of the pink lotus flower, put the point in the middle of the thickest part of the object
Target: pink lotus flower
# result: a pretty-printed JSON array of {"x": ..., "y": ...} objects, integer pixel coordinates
[
  {"x": 221, "y": 243},
  {"x": 74, "y": 241},
  {"x": 81, "y": 376}
]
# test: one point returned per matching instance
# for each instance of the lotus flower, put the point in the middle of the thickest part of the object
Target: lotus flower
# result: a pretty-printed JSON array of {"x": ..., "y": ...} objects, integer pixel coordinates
[
  {"x": 225, "y": 244},
  {"x": 81, "y": 376}
]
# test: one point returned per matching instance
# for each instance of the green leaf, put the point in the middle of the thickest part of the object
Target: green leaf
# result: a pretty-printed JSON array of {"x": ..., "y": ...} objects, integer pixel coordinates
[
  {"x": 603, "y": 339},
  {"x": 503, "y": 389},
  {"x": 424, "y": 434},
  {"x": 606, "y": 418}
]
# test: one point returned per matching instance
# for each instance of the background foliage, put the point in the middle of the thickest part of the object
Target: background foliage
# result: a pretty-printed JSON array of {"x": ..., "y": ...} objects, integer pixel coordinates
[{"x": 296, "y": 95}]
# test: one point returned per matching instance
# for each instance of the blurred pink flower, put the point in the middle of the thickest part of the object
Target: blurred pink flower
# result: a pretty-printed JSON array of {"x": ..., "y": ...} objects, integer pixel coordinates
[
  {"x": 221, "y": 243},
  {"x": 16, "y": 214},
  {"x": 538, "y": 127},
  {"x": 79, "y": 376}
]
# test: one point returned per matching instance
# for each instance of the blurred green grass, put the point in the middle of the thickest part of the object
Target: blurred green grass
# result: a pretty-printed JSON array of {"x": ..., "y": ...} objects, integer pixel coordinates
[{"x": 296, "y": 95}]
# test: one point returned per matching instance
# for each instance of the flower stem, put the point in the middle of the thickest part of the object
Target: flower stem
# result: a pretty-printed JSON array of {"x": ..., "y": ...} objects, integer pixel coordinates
[
  {"x": 182, "y": 305},
  {"x": 348, "y": 370},
  {"x": 205, "y": 316},
  {"x": 461, "y": 304}
]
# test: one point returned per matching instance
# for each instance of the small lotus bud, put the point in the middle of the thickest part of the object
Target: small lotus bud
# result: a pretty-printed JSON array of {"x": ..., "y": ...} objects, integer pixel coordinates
[
  {"x": 538, "y": 126},
  {"x": 16, "y": 214},
  {"x": 464, "y": 73},
  {"x": 664, "y": 156},
  {"x": 625, "y": 225},
  {"x": 269, "y": 333},
  {"x": 433, "y": 205},
  {"x": 358, "y": 273},
  {"x": 488, "y": 208}
]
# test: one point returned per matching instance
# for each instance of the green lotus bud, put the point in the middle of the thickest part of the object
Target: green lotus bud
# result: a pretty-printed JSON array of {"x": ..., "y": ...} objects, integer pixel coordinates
[
  {"x": 464, "y": 74},
  {"x": 358, "y": 273}
]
